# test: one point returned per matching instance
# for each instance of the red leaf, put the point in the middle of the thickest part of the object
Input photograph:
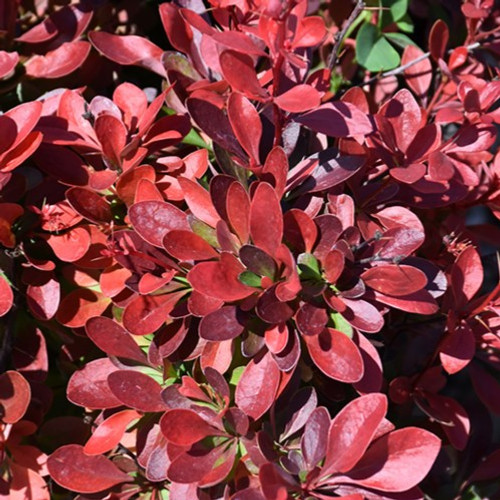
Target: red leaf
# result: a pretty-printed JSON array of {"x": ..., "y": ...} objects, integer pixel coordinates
[
  {"x": 167, "y": 131},
  {"x": 6, "y": 296},
  {"x": 421, "y": 302},
  {"x": 395, "y": 280},
  {"x": 89, "y": 204},
  {"x": 352, "y": 431},
  {"x": 88, "y": 387},
  {"x": 113, "y": 339},
  {"x": 239, "y": 72},
  {"x": 337, "y": 119},
  {"x": 136, "y": 390},
  {"x": 266, "y": 219},
  {"x": 257, "y": 386},
  {"x": 15, "y": 396},
  {"x": 419, "y": 75},
  {"x": 129, "y": 50},
  {"x": 184, "y": 427},
  {"x": 245, "y": 121},
  {"x": 186, "y": 245},
  {"x": 126, "y": 185},
  {"x": 112, "y": 135},
  {"x": 275, "y": 170},
  {"x": 399, "y": 242},
  {"x": 72, "y": 469},
  {"x": 238, "y": 211},
  {"x": 466, "y": 276},
  {"x": 298, "y": 99},
  {"x": 438, "y": 39},
  {"x": 220, "y": 279},
  {"x": 80, "y": 305},
  {"x": 70, "y": 246},
  {"x": 221, "y": 325},
  {"x": 109, "y": 432},
  {"x": 59, "y": 62},
  {"x": 154, "y": 219},
  {"x": 458, "y": 348},
  {"x": 199, "y": 201},
  {"x": 178, "y": 32},
  {"x": 146, "y": 313},
  {"x": 336, "y": 355},
  {"x": 411, "y": 450}
]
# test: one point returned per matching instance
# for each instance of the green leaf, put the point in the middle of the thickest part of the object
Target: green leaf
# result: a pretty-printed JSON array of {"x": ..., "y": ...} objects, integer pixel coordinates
[
  {"x": 250, "y": 279},
  {"x": 397, "y": 9},
  {"x": 308, "y": 267},
  {"x": 341, "y": 324},
  {"x": 399, "y": 39},
  {"x": 194, "y": 139},
  {"x": 405, "y": 24},
  {"x": 236, "y": 375},
  {"x": 373, "y": 51}
]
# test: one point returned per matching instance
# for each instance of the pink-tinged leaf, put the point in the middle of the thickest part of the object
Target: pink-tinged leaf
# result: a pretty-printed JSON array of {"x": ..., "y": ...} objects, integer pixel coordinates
[
  {"x": 458, "y": 348},
  {"x": 352, "y": 431},
  {"x": 397, "y": 216},
  {"x": 246, "y": 124},
  {"x": 129, "y": 50},
  {"x": 337, "y": 119},
  {"x": 186, "y": 245},
  {"x": 70, "y": 246},
  {"x": 441, "y": 167},
  {"x": 15, "y": 396},
  {"x": 311, "y": 320},
  {"x": 71, "y": 468},
  {"x": 237, "y": 41},
  {"x": 6, "y": 296},
  {"x": 486, "y": 386},
  {"x": 89, "y": 388},
  {"x": 266, "y": 219},
  {"x": 113, "y": 339},
  {"x": 146, "y": 313},
  {"x": 399, "y": 242},
  {"x": 154, "y": 219},
  {"x": 136, "y": 390},
  {"x": 395, "y": 280},
  {"x": 472, "y": 138},
  {"x": 132, "y": 101},
  {"x": 222, "y": 324},
  {"x": 43, "y": 298},
  {"x": 26, "y": 484},
  {"x": 109, "y": 432},
  {"x": 238, "y": 70},
  {"x": 8, "y": 61},
  {"x": 26, "y": 117},
  {"x": 336, "y": 355},
  {"x": 298, "y": 99},
  {"x": 199, "y": 202},
  {"x": 112, "y": 135},
  {"x": 314, "y": 439},
  {"x": 220, "y": 279},
  {"x": 80, "y": 305},
  {"x": 238, "y": 211},
  {"x": 89, "y": 204},
  {"x": 421, "y": 302},
  {"x": 438, "y": 39},
  {"x": 59, "y": 62},
  {"x": 419, "y": 75},
  {"x": 466, "y": 276},
  {"x": 184, "y": 427},
  {"x": 410, "y": 174},
  {"x": 411, "y": 450},
  {"x": 363, "y": 315},
  {"x": 257, "y": 386}
]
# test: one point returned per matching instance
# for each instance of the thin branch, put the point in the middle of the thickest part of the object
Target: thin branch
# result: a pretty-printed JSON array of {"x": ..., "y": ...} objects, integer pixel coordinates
[
  {"x": 339, "y": 37},
  {"x": 401, "y": 69}
]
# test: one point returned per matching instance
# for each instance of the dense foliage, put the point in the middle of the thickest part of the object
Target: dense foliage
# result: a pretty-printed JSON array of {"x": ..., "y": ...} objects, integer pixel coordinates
[{"x": 253, "y": 259}]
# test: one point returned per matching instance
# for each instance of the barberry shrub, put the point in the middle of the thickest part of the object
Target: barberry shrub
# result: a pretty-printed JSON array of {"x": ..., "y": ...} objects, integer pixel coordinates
[{"x": 248, "y": 250}]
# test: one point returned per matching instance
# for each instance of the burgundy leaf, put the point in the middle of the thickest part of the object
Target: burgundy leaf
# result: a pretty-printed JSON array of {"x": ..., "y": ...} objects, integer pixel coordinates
[
  {"x": 136, "y": 390},
  {"x": 311, "y": 320},
  {"x": 257, "y": 386},
  {"x": 336, "y": 355},
  {"x": 80, "y": 305},
  {"x": 71, "y": 468},
  {"x": 458, "y": 348},
  {"x": 314, "y": 440},
  {"x": 438, "y": 39},
  {"x": 89, "y": 204},
  {"x": 113, "y": 339},
  {"x": 221, "y": 325},
  {"x": 302, "y": 405},
  {"x": 337, "y": 119}
]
